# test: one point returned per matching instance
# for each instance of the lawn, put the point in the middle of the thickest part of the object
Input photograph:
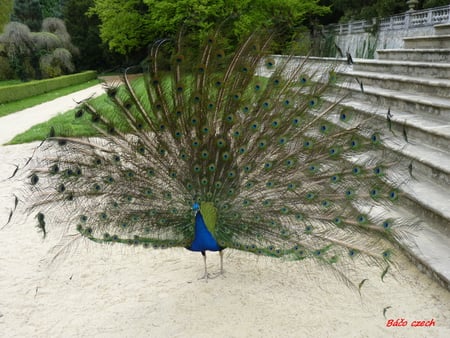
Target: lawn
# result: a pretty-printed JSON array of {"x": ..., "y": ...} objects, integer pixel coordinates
[
  {"x": 67, "y": 124},
  {"x": 12, "y": 107}
]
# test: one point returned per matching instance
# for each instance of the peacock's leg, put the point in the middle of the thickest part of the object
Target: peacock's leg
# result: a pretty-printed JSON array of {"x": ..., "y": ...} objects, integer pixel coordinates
[
  {"x": 205, "y": 276},
  {"x": 221, "y": 261}
]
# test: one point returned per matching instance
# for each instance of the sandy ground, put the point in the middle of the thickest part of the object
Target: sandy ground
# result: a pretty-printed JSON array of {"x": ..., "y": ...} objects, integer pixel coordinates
[{"x": 118, "y": 291}]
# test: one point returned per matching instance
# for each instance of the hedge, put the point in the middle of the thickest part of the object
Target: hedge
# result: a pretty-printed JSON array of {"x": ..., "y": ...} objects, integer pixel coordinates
[{"x": 28, "y": 89}]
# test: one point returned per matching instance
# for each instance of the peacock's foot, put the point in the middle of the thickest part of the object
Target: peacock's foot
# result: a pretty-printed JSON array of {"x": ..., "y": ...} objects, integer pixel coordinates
[
  {"x": 206, "y": 276},
  {"x": 217, "y": 275}
]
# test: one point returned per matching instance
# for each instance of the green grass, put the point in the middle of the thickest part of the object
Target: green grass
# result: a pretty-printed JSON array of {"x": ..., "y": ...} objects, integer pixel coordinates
[
  {"x": 12, "y": 107},
  {"x": 64, "y": 124},
  {"x": 9, "y": 82},
  {"x": 67, "y": 125}
]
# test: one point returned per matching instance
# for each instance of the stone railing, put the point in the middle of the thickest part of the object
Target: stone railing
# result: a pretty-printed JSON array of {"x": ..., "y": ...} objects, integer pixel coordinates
[{"x": 405, "y": 21}]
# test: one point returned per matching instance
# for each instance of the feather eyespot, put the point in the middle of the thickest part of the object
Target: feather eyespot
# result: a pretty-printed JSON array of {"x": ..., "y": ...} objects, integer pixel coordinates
[
  {"x": 34, "y": 179},
  {"x": 387, "y": 224},
  {"x": 335, "y": 178},
  {"x": 393, "y": 195},
  {"x": 268, "y": 165},
  {"x": 361, "y": 219},
  {"x": 54, "y": 169}
]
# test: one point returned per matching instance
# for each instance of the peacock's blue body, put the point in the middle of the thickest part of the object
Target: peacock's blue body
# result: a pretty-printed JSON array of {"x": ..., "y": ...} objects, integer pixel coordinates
[{"x": 203, "y": 239}]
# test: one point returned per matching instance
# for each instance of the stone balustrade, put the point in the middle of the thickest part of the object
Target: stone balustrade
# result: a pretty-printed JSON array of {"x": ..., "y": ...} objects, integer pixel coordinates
[{"x": 405, "y": 21}]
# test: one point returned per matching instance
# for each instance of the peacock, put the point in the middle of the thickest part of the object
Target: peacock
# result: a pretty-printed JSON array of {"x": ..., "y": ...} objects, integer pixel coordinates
[{"x": 220, "y": 149}]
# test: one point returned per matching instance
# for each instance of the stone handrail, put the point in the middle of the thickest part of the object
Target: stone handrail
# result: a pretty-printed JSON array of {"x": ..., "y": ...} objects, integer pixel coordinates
[{"x": 410, "y": 19}]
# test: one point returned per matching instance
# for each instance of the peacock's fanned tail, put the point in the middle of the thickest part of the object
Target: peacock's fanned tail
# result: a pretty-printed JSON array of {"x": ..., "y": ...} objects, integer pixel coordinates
[{"x": 289, "y": 173}]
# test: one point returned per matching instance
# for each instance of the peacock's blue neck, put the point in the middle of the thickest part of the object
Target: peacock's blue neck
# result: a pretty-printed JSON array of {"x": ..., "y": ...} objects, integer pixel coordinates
[{"x": 203, "y": 239}]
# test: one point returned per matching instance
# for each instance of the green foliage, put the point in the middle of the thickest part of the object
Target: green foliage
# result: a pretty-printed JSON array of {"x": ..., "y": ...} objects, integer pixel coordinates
[
  {"x": 12, "y": 107},
  {"x": 124, "y": 25},
  {"x": 52, "y": 8},
  {"x": 6, "y": 7},
  {"x": 18, "y": 46},
  {"x": 68, "y": 124},
  {"x": 58, "y": 28},
  {"x": 67, "y": 121},
  {"x": 131, "y": 25},
  {"x": 28, "y": 12},
  {"x": 6, "y": 72},
  {"x": 349, "y": 10},
  {"x": 434, "y": 3},
  {"x": 85, "y": 34},
  {"x": 56, "y": 63},
  {"x": 23, "y": 90},
  {"x": 38, "y": 54}
]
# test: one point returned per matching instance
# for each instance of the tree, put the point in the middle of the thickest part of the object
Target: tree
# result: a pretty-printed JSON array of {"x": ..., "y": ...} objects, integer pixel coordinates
[
  {"x": 347, "y": 10},
  {"x": 6, "y": 7},
  {"x": 38, "y": 54},
  {"x": 85, "y": 34},
  {"x": 19, "y": 48},
  {"x": 124, "y": 26},
  {"x": 28, "y": 12},
  {"x": 131, "y": 25},
  {"x": 434, "y": 3},
  {"x": 56, "y": 59},
  {"x": 52, "y": 8}
]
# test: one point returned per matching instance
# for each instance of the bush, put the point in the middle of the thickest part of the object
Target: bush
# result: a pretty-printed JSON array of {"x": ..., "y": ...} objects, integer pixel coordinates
[
  {"x": 6, "y": 72},
  {"x": 24, "y": 90}
]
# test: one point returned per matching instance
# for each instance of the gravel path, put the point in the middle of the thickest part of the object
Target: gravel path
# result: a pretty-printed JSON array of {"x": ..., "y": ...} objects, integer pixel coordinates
[{"x": 16, "y": 123}]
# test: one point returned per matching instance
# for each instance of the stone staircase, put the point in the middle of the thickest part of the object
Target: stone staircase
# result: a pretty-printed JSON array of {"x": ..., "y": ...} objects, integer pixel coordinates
[{"x": 414, "y": 83}]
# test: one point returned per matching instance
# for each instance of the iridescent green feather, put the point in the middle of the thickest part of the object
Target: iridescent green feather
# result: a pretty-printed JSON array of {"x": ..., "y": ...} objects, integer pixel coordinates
[{"x": 278, "y": 167}]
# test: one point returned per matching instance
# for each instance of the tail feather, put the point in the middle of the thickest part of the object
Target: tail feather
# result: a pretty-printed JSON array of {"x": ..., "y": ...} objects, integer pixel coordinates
[{"x": 289, "y": 173}]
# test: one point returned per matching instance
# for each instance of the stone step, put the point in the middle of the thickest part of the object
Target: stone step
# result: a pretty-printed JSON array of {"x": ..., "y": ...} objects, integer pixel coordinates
[
  {"x": 420, "y": 55},
  {"x": 423, "y": 197},
  {"x": 426, "y": 243},
  {"x": 426, "y": 119},
  {"x": 429, "y": 249},
  {"x": 404, "y": 83},
  {"x": 434, "y": 107},
  {"x": 409, "y": 68},
  {"x": 439, "y": 41},
  {"x": 427, "y": 191},
  {"x": 442, "y": 29},
  {"x": 427, "y": 159},
  {"x": 429, "y": 202},
  {"x": 419, "y": 129},
  {"x": 429, "y": 162}
]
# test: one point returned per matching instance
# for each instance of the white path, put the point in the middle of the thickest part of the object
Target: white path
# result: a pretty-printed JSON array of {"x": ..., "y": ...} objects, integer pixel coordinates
[{"x": 16, "y": 123}]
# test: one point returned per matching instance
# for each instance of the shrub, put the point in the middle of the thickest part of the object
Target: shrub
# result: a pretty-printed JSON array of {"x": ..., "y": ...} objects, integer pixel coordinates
[
  {"x": 6, "y": 72},
  {"x": 24, "y": 90}
]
